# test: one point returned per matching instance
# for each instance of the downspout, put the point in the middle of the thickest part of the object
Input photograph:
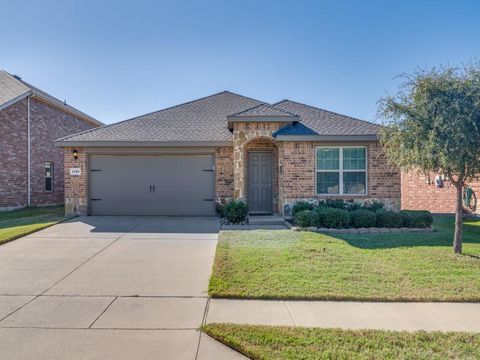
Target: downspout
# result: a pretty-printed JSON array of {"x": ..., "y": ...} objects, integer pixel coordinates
[{"x": 29, "y": 187}]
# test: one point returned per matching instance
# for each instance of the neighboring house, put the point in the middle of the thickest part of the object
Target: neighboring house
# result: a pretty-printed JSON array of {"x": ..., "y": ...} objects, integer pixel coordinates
[
  {"x": 422, "y": 193},
  {"x": 184, "y": 159},
  {"x": 31, "y": 167}
]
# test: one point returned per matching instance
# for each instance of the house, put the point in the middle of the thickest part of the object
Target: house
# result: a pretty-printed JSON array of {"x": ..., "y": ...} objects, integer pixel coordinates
[
  {"x": 420, "y": 192},
  {"x": 31, "y": 167},
  {"x": 184, "y": 159}
]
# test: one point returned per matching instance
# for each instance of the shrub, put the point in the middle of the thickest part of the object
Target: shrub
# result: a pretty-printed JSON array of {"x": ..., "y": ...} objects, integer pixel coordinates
[
  {"x": 335, "y": 203},
  {"x": 235, "y": 211},
  {"x": 388, "y": 219},
  {"x": 301, "y": 206},
  {"x": 304, "y": 218},
  {"x": 329, "y": 217},
  {"x": 363, "y": 218},
  {"x": 353, "y": 206},
  {"x": 416, "y": 218},
  {"x": 373, "y": 206}
]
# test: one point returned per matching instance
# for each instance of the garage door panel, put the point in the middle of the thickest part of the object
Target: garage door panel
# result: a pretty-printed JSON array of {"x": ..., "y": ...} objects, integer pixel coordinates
[{"x": 152, "y": 185}]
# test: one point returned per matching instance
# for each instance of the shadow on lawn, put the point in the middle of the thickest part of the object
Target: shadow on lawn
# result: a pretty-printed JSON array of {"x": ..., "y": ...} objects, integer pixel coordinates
[{"x": 442, "y": 236}]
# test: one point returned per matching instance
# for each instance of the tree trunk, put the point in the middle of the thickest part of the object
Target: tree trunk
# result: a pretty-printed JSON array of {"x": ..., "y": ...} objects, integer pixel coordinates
[{"x": 457, "y": 240}]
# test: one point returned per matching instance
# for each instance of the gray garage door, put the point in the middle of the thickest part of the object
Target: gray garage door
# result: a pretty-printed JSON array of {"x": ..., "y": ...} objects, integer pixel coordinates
[{"x": 152, "y": 185}]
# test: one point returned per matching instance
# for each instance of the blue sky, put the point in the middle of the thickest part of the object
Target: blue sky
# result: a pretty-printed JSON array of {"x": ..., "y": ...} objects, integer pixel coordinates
[{"x": 119, "y": 59}]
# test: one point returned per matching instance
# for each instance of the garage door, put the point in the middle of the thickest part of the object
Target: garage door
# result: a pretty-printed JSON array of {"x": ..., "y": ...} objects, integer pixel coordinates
[{"x": 152, "y": 185}]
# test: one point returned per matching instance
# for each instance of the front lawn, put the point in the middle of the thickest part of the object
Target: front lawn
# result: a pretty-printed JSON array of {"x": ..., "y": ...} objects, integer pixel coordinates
[
  {"x": 15, "y": 224},
  {"x": 375, "y": 267},
  {"x": 264, "y": 342}
]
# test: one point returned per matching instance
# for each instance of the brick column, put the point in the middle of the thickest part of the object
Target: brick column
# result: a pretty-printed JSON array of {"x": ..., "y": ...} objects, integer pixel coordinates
[{"x": 76, "y": 186}]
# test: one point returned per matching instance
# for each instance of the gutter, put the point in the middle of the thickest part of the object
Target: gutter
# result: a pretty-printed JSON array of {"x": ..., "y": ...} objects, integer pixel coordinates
[
  {"x": 327, "y": 137},
  {"x": 67, "y": 143}
]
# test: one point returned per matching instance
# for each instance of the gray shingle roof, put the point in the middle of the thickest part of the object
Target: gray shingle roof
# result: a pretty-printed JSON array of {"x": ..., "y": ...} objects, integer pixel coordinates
[
  {"x": 325, "y": 122},
  {"x": 206, "y": 120},
  {"x": 12, "y": 88},
  {"x": 263, "y": 110},
  {"x": 294, "y": 129}
]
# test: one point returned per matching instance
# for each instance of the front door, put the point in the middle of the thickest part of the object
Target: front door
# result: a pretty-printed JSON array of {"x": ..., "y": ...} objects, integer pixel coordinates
[{"x": 260, "y": 182}]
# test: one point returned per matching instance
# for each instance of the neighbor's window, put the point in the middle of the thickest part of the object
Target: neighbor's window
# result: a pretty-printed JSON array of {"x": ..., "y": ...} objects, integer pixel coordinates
[
  {"x": 49, "y": 176},
  {"x": 341, "y": 170}
]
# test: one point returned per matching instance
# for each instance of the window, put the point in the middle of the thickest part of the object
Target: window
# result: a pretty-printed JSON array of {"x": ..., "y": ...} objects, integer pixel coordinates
[
  {"x": 49, "y": 176},
  {"x": 341, "y": 171}
]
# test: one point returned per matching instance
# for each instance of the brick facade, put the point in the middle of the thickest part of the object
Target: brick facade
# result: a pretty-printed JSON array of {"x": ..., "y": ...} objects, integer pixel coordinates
[
  {"x": 224, "y": 174},
  {"x": 13, "y": 159},
  {"x": 297, "y": 182},
  {"x": 47, "y": 123},
  {"x": 293, "y": 166},
  {"x": 420, "y": 193},
  {"x": 76, "y": 187}
]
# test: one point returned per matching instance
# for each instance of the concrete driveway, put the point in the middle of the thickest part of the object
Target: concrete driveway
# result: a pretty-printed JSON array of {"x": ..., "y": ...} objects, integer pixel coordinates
[{"x": 109, "y": 288}]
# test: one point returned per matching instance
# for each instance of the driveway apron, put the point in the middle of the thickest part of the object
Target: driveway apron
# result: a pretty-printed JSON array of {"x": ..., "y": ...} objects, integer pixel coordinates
[{"x": 109, "y": 288}]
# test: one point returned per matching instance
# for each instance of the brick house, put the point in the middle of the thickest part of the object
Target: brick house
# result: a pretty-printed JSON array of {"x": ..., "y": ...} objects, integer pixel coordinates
[
  {"x": 31, "y": 167},
  {"x": 420, "y": 192},
  {"x": 184, "y": 159}
]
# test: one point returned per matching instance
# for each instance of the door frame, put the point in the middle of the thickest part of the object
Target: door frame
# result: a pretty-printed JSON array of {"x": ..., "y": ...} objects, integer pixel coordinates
[{"x": 248, "y": 180}]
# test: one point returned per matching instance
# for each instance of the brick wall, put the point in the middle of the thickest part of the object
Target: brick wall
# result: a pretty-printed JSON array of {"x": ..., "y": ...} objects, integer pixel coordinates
[
  {"x": 298, "y": 175},
  {"x": 418, "y": 193},
  {"x": 47, "y": 123},
  {"x": 76, "y": 187},
  {"x": 13, "y": 155},
  {"x": 224, "y": 174}
]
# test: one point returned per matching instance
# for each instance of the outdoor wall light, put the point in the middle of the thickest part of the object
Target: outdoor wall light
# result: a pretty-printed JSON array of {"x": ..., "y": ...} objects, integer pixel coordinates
[{"x": 75, "y": 154}]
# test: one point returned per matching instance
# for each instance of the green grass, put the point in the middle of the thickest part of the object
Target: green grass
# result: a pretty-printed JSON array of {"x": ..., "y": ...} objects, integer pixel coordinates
[
  {"x": 19, "y": 223},
  {"x": 265, "y": 342},
  {"x": 375, "y": 267}
]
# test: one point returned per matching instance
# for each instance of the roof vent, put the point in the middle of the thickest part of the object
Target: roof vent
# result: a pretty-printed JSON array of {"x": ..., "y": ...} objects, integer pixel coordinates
[{"x": 17, "y": 77}]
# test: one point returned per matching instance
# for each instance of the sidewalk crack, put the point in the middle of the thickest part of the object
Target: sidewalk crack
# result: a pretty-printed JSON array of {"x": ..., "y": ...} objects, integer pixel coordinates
[{"x": 290, "y": 313}]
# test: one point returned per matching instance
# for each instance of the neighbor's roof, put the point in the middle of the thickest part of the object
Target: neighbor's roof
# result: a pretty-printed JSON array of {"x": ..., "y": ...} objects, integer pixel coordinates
[
  {"x": 206, "y": 120},
  {"x": 14, "y": 89}
]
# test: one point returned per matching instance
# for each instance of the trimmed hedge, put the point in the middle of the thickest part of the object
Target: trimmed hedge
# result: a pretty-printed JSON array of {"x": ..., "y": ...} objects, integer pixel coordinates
[
  {"x": 362, "y": 218},
  {"x": 235, "y": 211},
  {"x": 328, "y": 217},
  {"x": 388, "y": 219},
  {"x": 305, "y": 218},
  {"x": 416, "y": 218},
  {"x": 340, "y": 214},
  {"x": 301, "y": 206}
]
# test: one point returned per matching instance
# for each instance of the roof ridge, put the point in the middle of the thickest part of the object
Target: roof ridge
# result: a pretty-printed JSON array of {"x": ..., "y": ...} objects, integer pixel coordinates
[
  {"x": 264, "y": 104},
  {"x": 328, "y": 111},
  {"x": 154, "y": 112},
  {"x": 49, "y": 97}
]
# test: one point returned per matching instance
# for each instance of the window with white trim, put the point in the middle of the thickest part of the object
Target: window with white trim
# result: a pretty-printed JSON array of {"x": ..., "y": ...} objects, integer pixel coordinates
[{"x": 341, "y": 170}]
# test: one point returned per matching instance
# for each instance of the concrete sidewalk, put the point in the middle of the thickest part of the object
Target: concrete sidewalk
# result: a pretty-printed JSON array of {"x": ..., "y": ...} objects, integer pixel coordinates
[{"x": 348, "y": 315}]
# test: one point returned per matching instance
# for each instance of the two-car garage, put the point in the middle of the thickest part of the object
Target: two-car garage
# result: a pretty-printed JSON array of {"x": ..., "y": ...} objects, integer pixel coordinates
[{"x": 178, "y": 185}]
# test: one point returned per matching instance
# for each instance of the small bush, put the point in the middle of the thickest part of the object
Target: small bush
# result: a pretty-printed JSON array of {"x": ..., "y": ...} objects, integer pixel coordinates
[
  {"x": 416, "y": 218},
  {"x": 353, "y": 206},
  {"x": 388, "y": 219},
  {"x": 363, "y": 218},
  {"x": 336, "y": 203},
  {"x": 331, "y": 217},
  {"x": 304, "y": 218},
  {"x": 301, "y": 206},
  {"x": 235, "y": 211},
  {"x": 373, "y": 206}
]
